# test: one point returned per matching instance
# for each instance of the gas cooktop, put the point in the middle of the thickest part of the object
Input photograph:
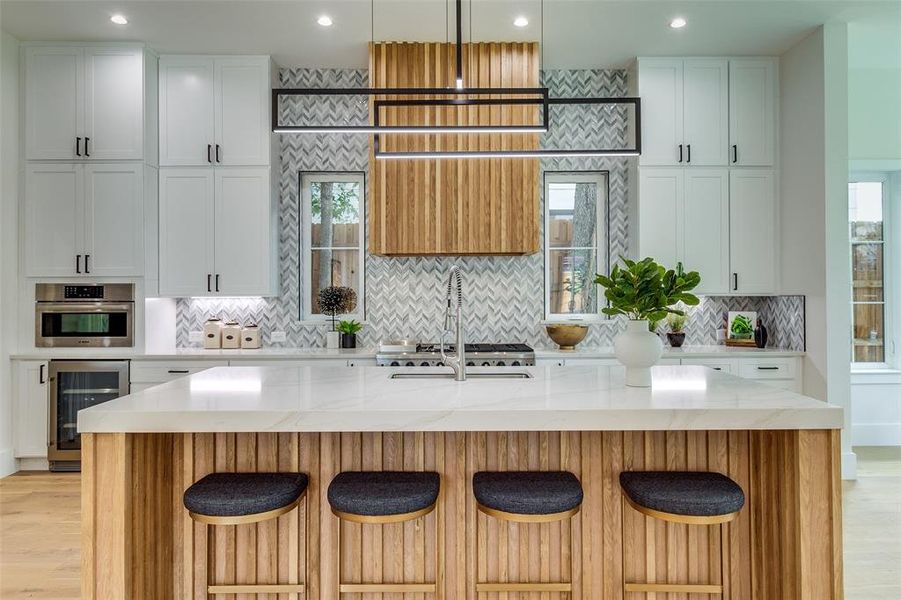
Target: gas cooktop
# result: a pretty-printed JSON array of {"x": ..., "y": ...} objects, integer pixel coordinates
[{"x": 477, "y": 355}]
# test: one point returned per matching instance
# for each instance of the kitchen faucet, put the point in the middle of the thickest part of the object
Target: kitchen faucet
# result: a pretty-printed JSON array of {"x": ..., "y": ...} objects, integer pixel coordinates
[{"x": 457, "y": 361}]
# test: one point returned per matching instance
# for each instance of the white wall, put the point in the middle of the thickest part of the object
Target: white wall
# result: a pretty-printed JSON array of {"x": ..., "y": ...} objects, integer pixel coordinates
[
  {"x": 9, "y": 189},
  {"x": 814, "y": 212}
]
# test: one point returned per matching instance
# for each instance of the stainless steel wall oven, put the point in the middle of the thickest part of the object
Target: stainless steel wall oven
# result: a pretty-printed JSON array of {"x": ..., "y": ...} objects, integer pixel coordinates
[{"x": 84, "y": 316}]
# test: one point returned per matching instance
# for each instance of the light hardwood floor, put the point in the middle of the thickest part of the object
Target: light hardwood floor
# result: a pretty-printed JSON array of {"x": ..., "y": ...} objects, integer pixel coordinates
[{"x": 40, "y": 532}]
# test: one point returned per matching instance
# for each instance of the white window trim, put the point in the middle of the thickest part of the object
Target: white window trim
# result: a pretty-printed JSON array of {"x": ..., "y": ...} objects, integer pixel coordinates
[
  {"x": 307, "y": 316},
  {"x": 890, "y": 284},
  {"x": 601, "y": 178}
]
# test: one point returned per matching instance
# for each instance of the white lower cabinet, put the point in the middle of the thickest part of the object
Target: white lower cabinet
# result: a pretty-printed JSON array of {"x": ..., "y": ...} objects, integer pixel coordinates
[
  {"x": 148, "y": 373},
  {"x": 724, "y": 365},
  {"x": 84, "y": 219},
  {"x": 217, "y": 232},
  {"x": 30, "y": 409}
]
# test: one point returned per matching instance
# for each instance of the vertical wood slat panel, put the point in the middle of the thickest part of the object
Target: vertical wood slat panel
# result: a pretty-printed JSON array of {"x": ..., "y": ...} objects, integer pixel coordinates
[
  {"x": 459, "y": 206},
  {"x": 785, "y": 544}
]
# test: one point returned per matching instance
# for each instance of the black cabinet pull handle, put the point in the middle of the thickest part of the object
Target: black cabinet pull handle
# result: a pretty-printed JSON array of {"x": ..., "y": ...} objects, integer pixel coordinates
[
  {"x": 41, "y": 374},
  {"x": 680, "y": 152},
  {"x": 217, "y": 282},
  {"x": 734, "y": 153},
  {"x": 87, "y": 267},
  {"x": 78, "y": 263},
  {"x": 735, "y": 282},
  {"x": 78, "y": 146},
  {"x": 219, "y": 160},
  {"x": 87, "y": 151},
  {"x": 767, "y": 368},
  {"x": 209, "y": 151},
  {"x": 209, "y": 282},
  {"x": 178, "y": 372},
  {"x": 688, "y": 147}
]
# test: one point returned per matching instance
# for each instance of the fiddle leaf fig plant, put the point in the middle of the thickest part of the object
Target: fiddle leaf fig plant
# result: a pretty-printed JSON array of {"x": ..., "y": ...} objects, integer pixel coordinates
[{"x": 647, "y": 290}]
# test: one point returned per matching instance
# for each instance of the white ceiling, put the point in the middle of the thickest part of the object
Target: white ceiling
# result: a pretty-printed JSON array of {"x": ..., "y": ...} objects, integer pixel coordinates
[{"x": 577, "y": 33}]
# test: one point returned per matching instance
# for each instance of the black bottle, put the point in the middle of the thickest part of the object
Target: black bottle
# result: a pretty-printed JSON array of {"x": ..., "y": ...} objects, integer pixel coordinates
[{"x": 760, "y": 335}]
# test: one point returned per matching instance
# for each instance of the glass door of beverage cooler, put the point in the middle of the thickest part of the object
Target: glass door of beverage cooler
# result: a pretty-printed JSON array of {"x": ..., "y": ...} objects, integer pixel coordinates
[{"x": 75, "y": 385}]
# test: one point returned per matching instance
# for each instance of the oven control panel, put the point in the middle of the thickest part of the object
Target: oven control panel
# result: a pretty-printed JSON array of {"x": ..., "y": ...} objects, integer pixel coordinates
[{"x": 83, "y": 292}]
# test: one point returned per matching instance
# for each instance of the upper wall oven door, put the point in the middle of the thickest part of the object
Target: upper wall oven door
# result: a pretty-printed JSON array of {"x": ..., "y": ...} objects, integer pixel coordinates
[{"x": 84, "y": 324}]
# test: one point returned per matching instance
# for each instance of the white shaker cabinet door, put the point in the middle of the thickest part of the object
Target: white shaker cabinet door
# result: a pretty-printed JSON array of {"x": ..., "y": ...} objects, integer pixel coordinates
[
  {"x": 752, "y": 227},
  {"x": 54, "y": 198},
  {"x": 706, "y": 112},
  {"x": 660, "y": 87},
  {"x": 242, "y": 100},
  {"x": 186, "y": 232},
  {"x": 658, "y": 220},
  {"x": 752, "y": 110},
  {"x": 705, "y": 222},
  {"x": 186, "y": 111},
  {"x": 243, "y": 232},
  {"x": 30, "y": 409},
  {"x": 54, "y": 102},
  {"x": 114, "y": 103},
  {"x": 114, "y": 219}
]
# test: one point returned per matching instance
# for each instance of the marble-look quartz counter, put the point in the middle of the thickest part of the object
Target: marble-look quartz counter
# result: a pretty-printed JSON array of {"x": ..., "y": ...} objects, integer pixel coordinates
[{"x": 332, "y": 399}]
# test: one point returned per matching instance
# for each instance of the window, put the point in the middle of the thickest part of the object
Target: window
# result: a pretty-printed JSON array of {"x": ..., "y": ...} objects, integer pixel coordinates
[
  {"x": 575, "y": 243},
  {"x": 332, "y": 235},
  {"x": 869, "y": 290}
]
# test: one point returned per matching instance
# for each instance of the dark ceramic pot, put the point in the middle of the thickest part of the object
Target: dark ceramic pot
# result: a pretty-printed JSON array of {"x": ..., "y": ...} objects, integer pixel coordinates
[
  {"x": 348, "y": 340},
  {"x": 676, "y": 339}
]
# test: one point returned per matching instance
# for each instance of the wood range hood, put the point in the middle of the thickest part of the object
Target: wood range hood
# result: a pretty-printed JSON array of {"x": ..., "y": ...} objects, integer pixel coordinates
[{"x": 474, "y": 206}]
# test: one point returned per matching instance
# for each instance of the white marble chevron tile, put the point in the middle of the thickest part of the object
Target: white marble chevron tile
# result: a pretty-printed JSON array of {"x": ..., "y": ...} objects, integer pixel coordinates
[{"x": 504, "y": 295}]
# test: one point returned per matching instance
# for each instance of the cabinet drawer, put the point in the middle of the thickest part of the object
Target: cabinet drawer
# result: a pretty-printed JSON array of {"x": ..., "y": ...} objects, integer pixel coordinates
[
  {"x": 161, "y": 372},
  {"x": 768, "y": 368},
  {"x": 288, "y": 363},
  {"x": 717, "y": 364}
]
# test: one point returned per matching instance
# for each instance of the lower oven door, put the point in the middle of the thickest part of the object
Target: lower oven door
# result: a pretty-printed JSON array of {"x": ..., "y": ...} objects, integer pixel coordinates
[
  {"x": 84, "y": 324},
  {"x": 75, "y": 385}
]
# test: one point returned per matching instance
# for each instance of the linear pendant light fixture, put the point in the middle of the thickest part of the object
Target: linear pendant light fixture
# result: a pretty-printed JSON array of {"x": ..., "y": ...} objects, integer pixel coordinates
[{"x": 537, "y": 96}]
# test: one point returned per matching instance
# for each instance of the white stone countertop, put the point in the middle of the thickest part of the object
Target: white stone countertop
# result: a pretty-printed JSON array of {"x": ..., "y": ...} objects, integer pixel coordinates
[
  {"x": 273, "y": 353},
  {"x": 329, "y": 399}
]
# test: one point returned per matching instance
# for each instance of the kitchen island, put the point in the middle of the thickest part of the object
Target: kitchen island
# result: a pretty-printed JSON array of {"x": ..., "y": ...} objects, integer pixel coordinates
[{"x": 140, "y": 453}]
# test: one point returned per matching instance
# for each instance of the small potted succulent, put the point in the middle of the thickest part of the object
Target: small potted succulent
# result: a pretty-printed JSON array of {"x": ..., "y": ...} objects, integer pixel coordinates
[
  {"x": 676, "y": 335},
  {"x": 349, "y": 330}
]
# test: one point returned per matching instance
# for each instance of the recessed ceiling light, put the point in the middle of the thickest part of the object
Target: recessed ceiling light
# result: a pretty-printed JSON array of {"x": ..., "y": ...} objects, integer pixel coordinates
[
  {"x": 119, "y": 20},
  {"x": 520, "y": 21},
  {"x": 325, "y": 21},
  {"x": 678, "y": 23}
]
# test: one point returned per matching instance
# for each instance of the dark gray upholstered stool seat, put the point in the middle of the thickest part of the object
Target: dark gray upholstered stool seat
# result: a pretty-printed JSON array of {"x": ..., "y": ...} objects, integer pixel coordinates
[
  {"x": 689, "y": 493},
  {"x": 243, "y": 494},
  {"x": 527, "y": 492},
  {"x": 383, "y": 493}
]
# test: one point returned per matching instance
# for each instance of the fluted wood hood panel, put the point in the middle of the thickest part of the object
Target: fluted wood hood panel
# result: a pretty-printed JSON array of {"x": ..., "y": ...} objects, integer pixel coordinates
[{"x": 455, "y": 206}]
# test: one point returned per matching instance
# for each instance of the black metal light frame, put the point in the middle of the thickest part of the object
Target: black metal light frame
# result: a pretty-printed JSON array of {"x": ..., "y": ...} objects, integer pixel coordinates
[
  {"x": 540, "y": 98},
  {"x": 543, "y": 153}
]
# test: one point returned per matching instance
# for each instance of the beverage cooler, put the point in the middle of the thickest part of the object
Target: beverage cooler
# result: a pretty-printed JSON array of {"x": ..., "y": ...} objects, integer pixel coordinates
[{"x": 75, "y": 385}]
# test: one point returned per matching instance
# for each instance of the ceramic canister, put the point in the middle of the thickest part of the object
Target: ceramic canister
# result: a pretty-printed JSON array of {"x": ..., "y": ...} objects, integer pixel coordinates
[
  {"x": 231, "y": 335},
  {"x": 212, "y": 333}
]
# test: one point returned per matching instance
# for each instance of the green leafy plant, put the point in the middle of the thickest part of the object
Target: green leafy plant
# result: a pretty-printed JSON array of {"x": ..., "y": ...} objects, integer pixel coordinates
[
  {"x": 349, "y": 326},
  {"x": 647, "y": 290},
  {"x": 742, "y": 327},
  {"x": 676, "y": 322}
]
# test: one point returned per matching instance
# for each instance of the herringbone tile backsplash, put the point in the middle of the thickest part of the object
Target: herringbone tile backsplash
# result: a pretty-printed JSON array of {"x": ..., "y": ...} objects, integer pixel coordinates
[{"x": 504, "y": 295}]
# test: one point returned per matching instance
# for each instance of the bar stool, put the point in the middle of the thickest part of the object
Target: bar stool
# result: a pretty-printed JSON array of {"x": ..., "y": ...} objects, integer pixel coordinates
[
  {"x": 526, "y": 497},
  {"x": 241, "y": 498},
  {"x": 689, "y": 497},
  {"x": 382, "y": 497}
]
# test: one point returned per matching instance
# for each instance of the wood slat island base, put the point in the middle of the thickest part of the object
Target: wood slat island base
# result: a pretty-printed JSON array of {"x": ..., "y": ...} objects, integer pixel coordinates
[{"x": 139, "y": 542}]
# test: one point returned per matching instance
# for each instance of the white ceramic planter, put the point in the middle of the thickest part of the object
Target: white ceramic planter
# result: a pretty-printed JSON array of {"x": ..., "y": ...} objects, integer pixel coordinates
[
  {"x": 638, "y": 350},
  {"x": 333, "y": 340}
]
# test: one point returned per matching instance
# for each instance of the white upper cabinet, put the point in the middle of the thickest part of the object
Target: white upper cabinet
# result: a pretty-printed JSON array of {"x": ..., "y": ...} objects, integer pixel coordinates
[
  {"x": 705, "y": 222},
  {"x": 215, "y": 111},
  {"x": 217, "y": 232},
  {"x": 186, "y": 111},
  {"x": 84, "y": 220},
  {"x": 660, "y": 87},
  {"x": 752, "y": 110},
  {"x": 752, "y": 229},
  {"x": 114, "y": 103},
  {"x": 85, "y": 102},
  {"x": 658, "y": 218},
  {"x": 705, "y": 112}
]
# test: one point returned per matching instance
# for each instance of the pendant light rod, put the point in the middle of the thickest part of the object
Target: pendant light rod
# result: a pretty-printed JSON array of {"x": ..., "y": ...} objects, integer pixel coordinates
[{"x": 460, "y": 43}]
